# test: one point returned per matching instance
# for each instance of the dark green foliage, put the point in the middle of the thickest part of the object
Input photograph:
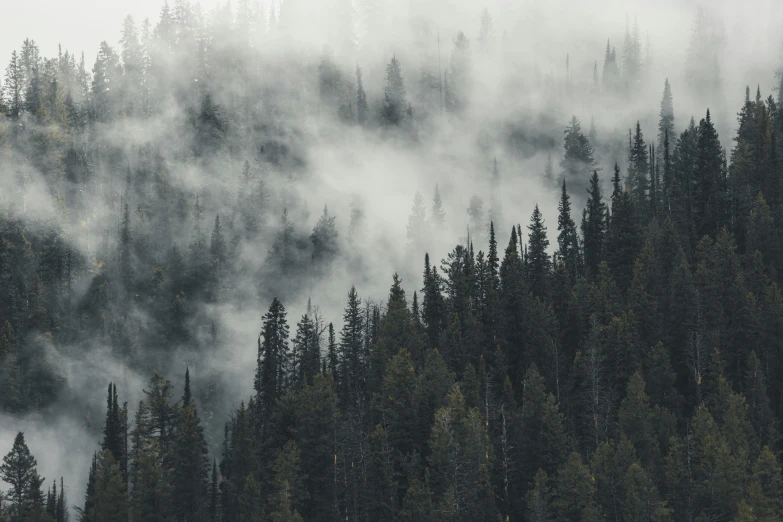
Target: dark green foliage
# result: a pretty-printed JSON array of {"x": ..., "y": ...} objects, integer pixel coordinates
[
  {"x": 593, "y": 227},
  {"x": 567, "y": 239},
  {"x": 578, "y": 159},
  {"x": 633, "y": 375}
]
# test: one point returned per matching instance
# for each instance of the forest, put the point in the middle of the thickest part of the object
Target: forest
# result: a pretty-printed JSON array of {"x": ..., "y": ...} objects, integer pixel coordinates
[{"x": 169, "y": 302}]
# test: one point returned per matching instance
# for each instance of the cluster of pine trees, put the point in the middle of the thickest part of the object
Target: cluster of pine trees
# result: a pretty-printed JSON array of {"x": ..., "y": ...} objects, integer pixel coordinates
[{"x": 633, "y": 374}]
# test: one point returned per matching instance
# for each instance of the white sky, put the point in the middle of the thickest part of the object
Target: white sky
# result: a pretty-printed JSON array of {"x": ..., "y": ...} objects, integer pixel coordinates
[{"x": 80, "y": 25}]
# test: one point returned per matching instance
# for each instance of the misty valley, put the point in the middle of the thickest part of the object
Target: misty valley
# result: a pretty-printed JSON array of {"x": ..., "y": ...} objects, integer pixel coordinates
[{"x": 354, "y": 260}]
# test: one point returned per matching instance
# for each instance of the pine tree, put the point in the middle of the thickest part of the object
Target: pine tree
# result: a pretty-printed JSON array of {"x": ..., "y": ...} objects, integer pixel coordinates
[
  {"x": 395, "y": 107},
  {"x": 622, "y": 240},
  {"x": 632, "y": 59},
  {"x": 539, "y": 499},
  {"x": 666, "y": 121},
  {"x": 476, "y": 223},
  {"x": 272, "y": 354},
  {"x": 578, "y": 159},
  {"x": 14, "y": 85},
  {"x": 437, "y": 215},
  {"x": 126, "y": 274},
  {"x": 361, "y": 99},
  {"x": 324, "y": 239},
  {"x": 111, "y": 496},
  {"x": 610, "y": 71},
  {"x": 708, "y": 181},
  {"x": 217, "y": 245},
  {"x": 567, "y": 239},
  {"x": 190, "y": 462},
  {"x": 459, "y": 85},
  {"x": 539, "y": 263},
  {"x": 19, "y": 471},
  {"x": 543, "y": 437},
  {"x": 574, "y": 496},
  {"x": 594, "y": 227},
  {"x": 351, "y": 348},
  {"x": 331, "y": 354},
  {"x": 115, "y": 430},
  {"x": 214, "y": 494},
  {"x": 417, "y": 232},
  {"x": 433, "y": 306},
  {"x": 638, "y": 172}
]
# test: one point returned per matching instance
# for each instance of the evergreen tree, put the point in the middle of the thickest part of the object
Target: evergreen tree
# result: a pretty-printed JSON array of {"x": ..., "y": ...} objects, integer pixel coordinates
[
  {"x": 574, "y": 496},
  {"x": 190, "y": 462},
  {"x": 270, "y": 379},
  {"x": 594, "y": 227},
  {"x": 19, "y": 471},
  {"x": 324, "y": 239},
  {"x": 351, "y": 348},
  {"x": 578, "y": 159},
  {"x": 666, "y": 121},
  {"x": 567, "y": 239},
  {"x": 395, "y": 107},
  {"x": 417, "y": 233},
  {"x": 361, "y": 98},
  {"x": 437, "y": 215},
  {"x": 638, "y": 172},
  {"x": 459, "y": 76},
  {"x": 708, "y": 199},
  {"x": 539, "y": 262}
]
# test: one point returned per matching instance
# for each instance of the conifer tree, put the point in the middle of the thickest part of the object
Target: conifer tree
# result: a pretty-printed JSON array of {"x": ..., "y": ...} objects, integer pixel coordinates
[
  {"x": 708, "y": 198},
  {"x": 351, "y": 348},
  {"x": 361, "y": 99},
  {"x": 324, "y": 239},
  {"x": 638, "y": 172},
  {"x": 19, "y": 471},
  {"x": 417, "y": 233},
  {"x": 594, "y": 227},
  {"x": 567, "y": 239},
  {"x": 272, "y": 354},
  {"x": 578, "y": 158},
  {"x": 539, "y": 262},
  {"x": 666, "y": 121},
  {"x": 190, "y": 462},
  {"x": 437, "y": 215},
  {"x": 395, "y": 107}
]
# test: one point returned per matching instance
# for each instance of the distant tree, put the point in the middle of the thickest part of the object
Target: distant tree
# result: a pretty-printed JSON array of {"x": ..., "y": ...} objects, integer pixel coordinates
[
  {"x": 610, "y": 72},
  {"x": 476, "y": 224},
  {"x": 437, "y": 215},
  {"x": 210, "y": 128},
  {"x": 459, "y": 76},
  {"x": 578, "y": 158},
  {"x": 361, "y": 98},
  {"x": 666, "y": 121},
  {"x": 632, "y": 59},
  {"x": 417, "y": 225},
  {"x": 395, "y": 107},
  {"x": 486, "y": 35},
  {"x": 324, "y": 239}
]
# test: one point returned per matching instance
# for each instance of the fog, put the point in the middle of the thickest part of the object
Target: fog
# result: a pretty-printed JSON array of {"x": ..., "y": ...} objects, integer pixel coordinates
[{"x": 535, "y": 73}]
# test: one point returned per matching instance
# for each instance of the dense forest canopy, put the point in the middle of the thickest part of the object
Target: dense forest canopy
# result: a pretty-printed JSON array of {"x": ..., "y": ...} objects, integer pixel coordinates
[{"x": 249, "y": 272}]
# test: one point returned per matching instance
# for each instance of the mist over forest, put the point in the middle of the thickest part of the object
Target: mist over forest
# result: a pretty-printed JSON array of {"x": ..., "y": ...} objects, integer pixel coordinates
[{"x": 375, "y": 260}]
